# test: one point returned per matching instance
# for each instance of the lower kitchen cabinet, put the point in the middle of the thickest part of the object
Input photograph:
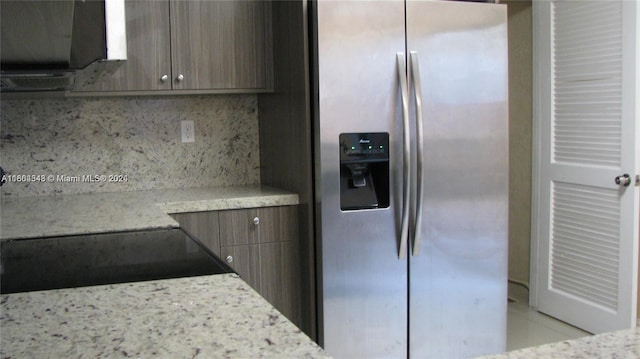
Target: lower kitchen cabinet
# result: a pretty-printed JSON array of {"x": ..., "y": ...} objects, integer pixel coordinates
[
  {"x": 261, "y": 244},
  {"x": 203, "y": 226},
  {"x": 280, "y": 277},
  {"x": 246, "y": 261}
]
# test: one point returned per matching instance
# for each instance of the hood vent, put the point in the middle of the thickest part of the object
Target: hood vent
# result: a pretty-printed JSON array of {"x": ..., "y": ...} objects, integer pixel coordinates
[{"x": 58, "y": 45}]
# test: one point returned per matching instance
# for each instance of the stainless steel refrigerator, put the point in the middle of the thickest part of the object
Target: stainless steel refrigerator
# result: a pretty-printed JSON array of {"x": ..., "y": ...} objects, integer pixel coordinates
[{"x": 411, "y": 177}]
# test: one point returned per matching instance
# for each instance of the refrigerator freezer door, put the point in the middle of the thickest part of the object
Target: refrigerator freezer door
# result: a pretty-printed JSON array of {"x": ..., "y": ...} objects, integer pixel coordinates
[
  {"x": 458, "y": 279},
  {"x": 363, "y": 288}
]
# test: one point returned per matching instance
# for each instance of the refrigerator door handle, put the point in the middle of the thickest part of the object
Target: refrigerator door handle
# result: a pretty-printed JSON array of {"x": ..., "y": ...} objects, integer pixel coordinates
[
  {"x": 417, "y": 90},
  {"x": 404, "y": 90}
]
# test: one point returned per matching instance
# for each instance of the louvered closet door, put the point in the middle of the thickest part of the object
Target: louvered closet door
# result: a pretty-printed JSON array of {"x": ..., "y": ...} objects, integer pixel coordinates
[{"x": 585, "y": 236}]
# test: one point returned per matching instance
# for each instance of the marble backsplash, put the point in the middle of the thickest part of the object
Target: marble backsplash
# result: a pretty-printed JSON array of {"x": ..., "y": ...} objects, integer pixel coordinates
[{"x": 70, "y": 146}]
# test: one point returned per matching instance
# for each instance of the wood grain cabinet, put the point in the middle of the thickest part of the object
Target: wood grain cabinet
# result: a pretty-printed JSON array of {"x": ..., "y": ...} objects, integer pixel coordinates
[
  {"x": 202, "y": 225},
  {"x": 261, "y": 244},
  {"x": 198, "y": 46}
]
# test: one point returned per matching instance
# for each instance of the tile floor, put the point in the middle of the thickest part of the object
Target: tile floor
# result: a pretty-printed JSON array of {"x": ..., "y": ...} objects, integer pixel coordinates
[{"x": 527, "y": 327}]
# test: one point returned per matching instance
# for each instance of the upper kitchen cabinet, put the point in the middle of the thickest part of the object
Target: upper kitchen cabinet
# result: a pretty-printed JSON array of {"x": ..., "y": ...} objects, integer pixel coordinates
[
  {"x": 148, "y": 50},
  {"x": 194, "y": 47},
  {"x": 221, "y": 44}
]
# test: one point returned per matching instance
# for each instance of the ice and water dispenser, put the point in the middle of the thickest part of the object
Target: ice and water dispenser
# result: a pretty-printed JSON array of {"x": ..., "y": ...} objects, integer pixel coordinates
[{"x": 364, "y": 171}]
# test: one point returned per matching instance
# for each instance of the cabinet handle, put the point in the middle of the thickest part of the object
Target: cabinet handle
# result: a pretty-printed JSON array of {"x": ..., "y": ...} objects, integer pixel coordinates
[
  {"x": 229, "y": 259},
  {"x": 164, "y": 78},
  {"x": 180, "y": 77},
  {"x": 256, "y": 221}
]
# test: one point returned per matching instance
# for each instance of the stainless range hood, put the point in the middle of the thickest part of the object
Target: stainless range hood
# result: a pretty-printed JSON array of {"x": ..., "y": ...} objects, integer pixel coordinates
[{"x": 57, "y": 45}]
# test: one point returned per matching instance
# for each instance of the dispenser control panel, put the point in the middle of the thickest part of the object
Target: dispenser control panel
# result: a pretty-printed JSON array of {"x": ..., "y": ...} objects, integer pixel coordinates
[{"x": 358, "y": 146}]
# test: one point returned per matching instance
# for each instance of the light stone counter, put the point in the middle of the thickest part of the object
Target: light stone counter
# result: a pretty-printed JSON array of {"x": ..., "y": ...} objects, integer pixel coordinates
[
  {"x": 619, "y": 345},
  {"x": 220, "y": 198},
  {"x": 46, "y": 216},
  {"x": 217, "y": 316}
]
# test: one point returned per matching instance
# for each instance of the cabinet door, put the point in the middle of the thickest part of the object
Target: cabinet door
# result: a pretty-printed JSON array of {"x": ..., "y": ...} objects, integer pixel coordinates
[
  {"x": 203, "y": 226},
  {"x": 245, "y": 259},
  {"x": 220, "y": 44},
  {"x": 148, "y": 50},
  {"x": 279, "y": 267}
]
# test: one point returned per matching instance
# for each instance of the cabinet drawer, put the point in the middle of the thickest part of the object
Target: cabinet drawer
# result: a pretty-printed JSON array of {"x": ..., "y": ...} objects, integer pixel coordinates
[
  {"x": 239, "y": 227},
  {"x": 258, "y": 225}
]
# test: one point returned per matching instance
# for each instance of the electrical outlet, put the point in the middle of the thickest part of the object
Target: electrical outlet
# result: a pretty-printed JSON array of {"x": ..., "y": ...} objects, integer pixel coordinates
[{"x": 188, "y": 131}]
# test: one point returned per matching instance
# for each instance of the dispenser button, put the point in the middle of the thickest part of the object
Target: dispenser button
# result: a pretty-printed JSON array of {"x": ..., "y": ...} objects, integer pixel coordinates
[{"x": 359, "y": 181}]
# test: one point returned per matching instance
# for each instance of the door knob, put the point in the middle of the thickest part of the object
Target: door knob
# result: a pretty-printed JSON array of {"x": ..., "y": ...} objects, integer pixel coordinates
[
  {"x": 180, "y": 77},
  {"x": 256, "y": 221},
  {"x": 164, "y": 78},
  {"x": 229, "y": 259},
  {"x": 624, "y": 180}
]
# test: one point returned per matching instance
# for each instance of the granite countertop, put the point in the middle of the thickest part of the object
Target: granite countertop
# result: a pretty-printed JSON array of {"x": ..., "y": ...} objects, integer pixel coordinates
[
  {"x": 619, "y": 344},
  {"x": 59, "y": 215},
  {"x": 216, "y": 316}
]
